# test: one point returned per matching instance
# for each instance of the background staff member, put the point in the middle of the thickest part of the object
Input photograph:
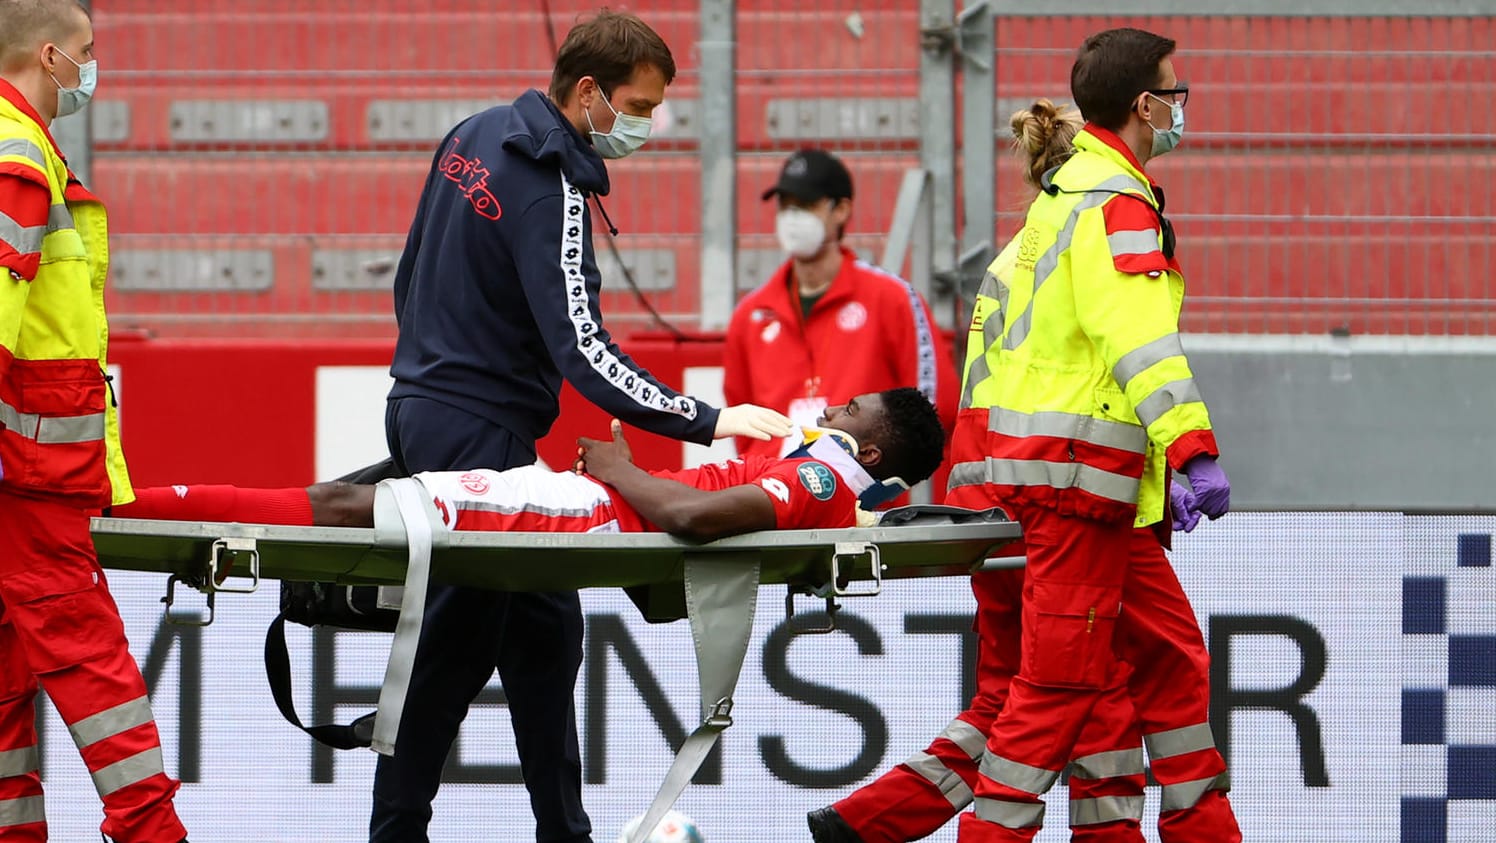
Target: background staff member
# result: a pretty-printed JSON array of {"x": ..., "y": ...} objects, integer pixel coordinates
[
  {"x": 825, "y": 323},
  {"x": 496, "y": 295}
]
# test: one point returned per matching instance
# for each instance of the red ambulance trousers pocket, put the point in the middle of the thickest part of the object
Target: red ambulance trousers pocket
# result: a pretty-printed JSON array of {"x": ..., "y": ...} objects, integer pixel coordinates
[
  {"x": 63, "y": 617},
  {"x": 1071, "y": 644}
]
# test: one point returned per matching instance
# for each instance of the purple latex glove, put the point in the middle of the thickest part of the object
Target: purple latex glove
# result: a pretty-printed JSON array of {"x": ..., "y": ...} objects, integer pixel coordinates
[
  {"x": 1182, "y": 506},
  {"x": 1208, "y": 482}
]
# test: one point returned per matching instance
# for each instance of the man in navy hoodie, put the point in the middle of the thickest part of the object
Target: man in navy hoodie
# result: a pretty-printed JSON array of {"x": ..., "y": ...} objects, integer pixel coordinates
[{"x": 496, "y": 296}]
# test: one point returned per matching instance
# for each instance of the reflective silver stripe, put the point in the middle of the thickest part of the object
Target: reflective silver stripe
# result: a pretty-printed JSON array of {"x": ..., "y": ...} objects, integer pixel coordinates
[
  {"x": 968, "y": 737},
  {"x": 1108, "y": 434},
  {"x": 1133, "y": 242},
  {"x": 25, "y": 239},
  {"x": 59, "y": 217},
  {"x": 1166, "y": 398},
  {"x": 1177, "y": 797},
  {"x": 53, "y": 431},
  {"x": 71, "y": 429},
  {"x": 1181, "y": 741},
  {"x": 950, "y": 785},
  {"x": 1009, "y": 814},
  {"x": 25, "y": 149},
  {"x": 123, "y": 773},
  {"x": 1143, "y": 357},
  {"x": 111, "y": 721},
  {"x": 1105, "y": 809},
  {"x": 995, "y": 289},
  {"x": 1109, "y": 765},
  {"x": 1050, "y": 260},
  {"x": 19, "y": 762},
  {"x": 1017, "y": 775},
  {"x": 27, "y": 809},
  {"x": 1057, "y": 475}
]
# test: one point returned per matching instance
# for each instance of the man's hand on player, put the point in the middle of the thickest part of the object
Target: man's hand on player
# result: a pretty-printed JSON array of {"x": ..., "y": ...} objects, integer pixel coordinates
[{"x": 603, "y": 459}]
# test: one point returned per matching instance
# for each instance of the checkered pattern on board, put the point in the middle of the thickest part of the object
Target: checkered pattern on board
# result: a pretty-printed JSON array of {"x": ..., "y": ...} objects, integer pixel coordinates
[{"x": 1449, "y": 682}]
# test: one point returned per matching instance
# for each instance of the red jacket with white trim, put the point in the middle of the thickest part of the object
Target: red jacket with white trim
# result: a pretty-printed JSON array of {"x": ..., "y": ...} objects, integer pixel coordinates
[{"x": 869, "y": 332}]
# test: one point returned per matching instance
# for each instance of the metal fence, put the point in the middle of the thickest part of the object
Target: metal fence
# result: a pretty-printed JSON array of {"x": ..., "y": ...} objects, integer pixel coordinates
[{"x": 1337, "y": 173}]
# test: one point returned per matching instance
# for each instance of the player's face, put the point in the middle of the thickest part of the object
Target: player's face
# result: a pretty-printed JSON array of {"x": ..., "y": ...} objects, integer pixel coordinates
[{"x": 862, "y": 417}]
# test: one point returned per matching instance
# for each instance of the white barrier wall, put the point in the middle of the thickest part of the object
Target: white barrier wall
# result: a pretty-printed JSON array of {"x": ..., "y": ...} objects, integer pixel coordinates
[{"x": 1354, "y": 660}]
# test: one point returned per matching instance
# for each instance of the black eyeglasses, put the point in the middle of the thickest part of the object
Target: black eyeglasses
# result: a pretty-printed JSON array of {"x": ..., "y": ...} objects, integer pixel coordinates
[{"x": 1182, "y": 90}]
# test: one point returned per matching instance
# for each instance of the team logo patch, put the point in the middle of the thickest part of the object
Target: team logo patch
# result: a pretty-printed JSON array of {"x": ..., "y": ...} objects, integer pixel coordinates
[
  {"x": 851, "y": 317},
  {"x": 818, "y": 480},
  {"x": 475, "y": 483}
]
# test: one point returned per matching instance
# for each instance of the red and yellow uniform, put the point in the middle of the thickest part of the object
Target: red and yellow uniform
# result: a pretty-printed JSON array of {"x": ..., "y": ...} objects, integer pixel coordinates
[
  {"x": 60, "y": 460},
  {"x": 1077, "y": 400}
]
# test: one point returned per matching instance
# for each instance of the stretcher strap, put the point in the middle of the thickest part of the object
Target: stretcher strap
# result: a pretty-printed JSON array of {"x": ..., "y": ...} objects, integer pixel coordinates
[
  {"x": 721, "y": 598},
  {"x": 412, "y": 503}
]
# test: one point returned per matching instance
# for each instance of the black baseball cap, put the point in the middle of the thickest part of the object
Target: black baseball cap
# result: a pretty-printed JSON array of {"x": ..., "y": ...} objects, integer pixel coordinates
[{"x": 811, "y": 175}]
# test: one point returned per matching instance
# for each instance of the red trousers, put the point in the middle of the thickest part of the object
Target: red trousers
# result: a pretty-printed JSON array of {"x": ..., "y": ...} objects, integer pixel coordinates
[
  {"x": 925, "y": 792},
  {"x": 1095, "y": 595},
  {"x": 60, "y": 630}
]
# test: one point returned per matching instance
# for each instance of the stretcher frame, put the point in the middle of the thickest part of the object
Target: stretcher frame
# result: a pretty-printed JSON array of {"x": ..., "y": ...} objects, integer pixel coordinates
[{"x": 714, "y": 585}]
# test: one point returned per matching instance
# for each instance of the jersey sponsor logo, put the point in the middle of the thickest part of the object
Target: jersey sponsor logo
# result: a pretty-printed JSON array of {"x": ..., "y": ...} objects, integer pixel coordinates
[
  {"x": 472, "y": 178},
  {"x": 818, "y": 480},
  {"x": 776, "y": 487},
  {"x": 851, "y": 317},
  {"x": 475, "y": 483}
]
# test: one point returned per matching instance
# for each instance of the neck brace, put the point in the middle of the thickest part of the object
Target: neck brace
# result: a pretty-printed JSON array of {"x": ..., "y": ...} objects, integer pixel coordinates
[{"x": 838, "y": 449}]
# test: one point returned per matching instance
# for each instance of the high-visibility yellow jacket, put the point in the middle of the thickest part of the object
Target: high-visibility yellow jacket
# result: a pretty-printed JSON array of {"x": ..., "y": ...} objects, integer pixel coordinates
[
  {"x": 59, "y": 431},
  {"x": 1077, "y": 395}
]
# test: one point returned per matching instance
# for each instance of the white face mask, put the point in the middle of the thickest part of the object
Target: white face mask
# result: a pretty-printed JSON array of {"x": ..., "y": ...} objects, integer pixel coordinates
[
  {"x": 1165, "y": 140},
  {"x": 800, "y": 232},
  {"x": 72, "y": 100},
  {"x": 627, "y": 135}
]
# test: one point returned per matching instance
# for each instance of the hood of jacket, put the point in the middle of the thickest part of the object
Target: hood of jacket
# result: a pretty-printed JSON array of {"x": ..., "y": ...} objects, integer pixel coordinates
[{"x": 538, "y": 130}]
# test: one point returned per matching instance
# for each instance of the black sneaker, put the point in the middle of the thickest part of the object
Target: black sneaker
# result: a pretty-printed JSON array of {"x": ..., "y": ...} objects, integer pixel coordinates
[{"x": 827, "y": 826}]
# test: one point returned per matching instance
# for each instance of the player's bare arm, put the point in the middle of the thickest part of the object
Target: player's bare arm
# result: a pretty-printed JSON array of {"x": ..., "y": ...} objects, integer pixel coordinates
[{"x": 676, "y": 508}]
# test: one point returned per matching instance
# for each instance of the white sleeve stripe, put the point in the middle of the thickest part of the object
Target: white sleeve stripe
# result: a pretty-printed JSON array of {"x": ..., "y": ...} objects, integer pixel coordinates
[
  {"x": 623, "y": 378},
  {"x": 924, "y": 337}
]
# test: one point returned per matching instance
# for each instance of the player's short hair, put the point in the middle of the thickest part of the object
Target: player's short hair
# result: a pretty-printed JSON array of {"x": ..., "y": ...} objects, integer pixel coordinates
[
  {"x": 609, "y": 47},
  {"x": 27, "y": 24},
  {"x": 913, "y": 438},
  {"x": 1111, "y": 69}
]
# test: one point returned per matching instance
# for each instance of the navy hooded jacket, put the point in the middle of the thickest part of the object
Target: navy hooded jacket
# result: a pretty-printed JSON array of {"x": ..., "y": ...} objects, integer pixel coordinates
[{"x": 496, "y": 294}]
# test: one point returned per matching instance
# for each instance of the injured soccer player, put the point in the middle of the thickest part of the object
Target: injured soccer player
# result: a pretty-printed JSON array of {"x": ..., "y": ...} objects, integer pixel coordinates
[{"x": 864, "y": 452}]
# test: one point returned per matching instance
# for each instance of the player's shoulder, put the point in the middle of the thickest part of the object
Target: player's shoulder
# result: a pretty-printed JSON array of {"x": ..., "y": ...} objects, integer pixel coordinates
[{"x": 815, "y": 478}]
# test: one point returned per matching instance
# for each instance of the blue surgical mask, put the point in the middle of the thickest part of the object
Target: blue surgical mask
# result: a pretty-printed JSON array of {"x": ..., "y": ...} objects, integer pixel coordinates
[
  {"x": 72, "y": 100},
  {"x": 1165, "y": 140},
  {"x": 628, "y": 134}
]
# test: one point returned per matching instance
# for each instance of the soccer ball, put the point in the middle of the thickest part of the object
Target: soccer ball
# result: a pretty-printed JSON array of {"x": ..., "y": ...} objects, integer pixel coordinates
[{"x": 674, "y": 828}]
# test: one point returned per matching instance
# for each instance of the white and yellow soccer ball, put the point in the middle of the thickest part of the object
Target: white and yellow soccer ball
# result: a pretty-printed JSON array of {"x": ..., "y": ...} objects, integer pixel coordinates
[{"x": 675, "y": 827}]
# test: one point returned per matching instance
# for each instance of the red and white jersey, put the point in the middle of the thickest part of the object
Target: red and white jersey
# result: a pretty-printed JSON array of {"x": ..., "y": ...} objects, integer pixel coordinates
[{"x": 806, "y": 494}]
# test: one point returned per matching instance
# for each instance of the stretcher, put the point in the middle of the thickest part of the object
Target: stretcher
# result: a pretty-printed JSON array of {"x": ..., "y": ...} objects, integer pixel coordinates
[{"x": 715, "y": 585}]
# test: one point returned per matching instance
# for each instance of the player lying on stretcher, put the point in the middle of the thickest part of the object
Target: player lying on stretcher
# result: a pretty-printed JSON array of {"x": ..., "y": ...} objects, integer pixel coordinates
[{"x": 862, "y": 454}]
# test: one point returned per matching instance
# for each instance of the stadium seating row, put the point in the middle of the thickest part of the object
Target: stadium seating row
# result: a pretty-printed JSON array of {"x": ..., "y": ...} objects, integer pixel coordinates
[
  {"x": 263, "y": 157},
  {"x": 376, "y": 194}
]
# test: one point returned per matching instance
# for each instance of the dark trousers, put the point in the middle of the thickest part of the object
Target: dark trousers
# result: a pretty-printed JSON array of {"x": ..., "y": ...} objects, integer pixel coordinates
[{"x": 533, "y": 640}]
